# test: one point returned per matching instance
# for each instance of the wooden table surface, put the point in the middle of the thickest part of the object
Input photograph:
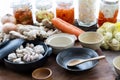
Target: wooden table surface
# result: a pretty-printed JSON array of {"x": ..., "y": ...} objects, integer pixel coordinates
[{"x": 103, "y": 71}]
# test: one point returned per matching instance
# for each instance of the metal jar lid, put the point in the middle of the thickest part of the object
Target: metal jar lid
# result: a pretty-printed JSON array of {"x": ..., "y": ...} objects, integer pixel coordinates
[
  {"x": 43, "y": 4},
  {"x": 21, "y": 4},
  {"x": 110, "y": 1}
]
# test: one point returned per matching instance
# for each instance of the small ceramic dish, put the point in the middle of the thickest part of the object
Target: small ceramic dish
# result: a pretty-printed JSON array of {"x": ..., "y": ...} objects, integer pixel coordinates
[
  {"x": 91, "y": 40},
  {"x": 116, "y": 64},
  {"x": 61, "y": 41},
  {"x": 76, "y": 53}
]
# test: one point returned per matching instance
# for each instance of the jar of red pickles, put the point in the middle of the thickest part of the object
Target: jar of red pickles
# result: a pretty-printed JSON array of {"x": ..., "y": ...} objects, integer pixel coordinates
[
  {"x": 65, "y": 10},
  {"x": 22, "y": 11},
  {"x": 108, "y": 11}
]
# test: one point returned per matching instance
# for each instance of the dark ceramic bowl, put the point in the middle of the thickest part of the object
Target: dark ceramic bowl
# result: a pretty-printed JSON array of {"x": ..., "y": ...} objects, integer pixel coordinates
[
  {"x": 29, "y": 66},
  {"x": 76, "y": 53}
]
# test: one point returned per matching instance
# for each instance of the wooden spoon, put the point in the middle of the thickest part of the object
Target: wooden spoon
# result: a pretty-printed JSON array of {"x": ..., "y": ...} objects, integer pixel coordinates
[{"x": 79, "y": 61}]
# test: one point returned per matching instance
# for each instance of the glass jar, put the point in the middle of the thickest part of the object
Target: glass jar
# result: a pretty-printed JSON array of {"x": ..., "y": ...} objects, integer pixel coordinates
[
  {"x": 87, "y": 12},
  {"x": 108, "y": 11},
  {"x": 44, "y": 10},
  {"x": 22, "y": 12},
  {"x": 65, "y": 10}
]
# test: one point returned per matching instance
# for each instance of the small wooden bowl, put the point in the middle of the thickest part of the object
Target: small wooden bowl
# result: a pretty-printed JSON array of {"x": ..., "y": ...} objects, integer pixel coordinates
[{"x": 42, "y": 74}]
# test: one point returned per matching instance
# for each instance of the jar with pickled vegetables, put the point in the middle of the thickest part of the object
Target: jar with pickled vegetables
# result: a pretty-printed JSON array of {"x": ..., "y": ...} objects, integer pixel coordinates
[
  {"x": 87, "y": 11},
  {"x": 22, "y": 11},
  {"x": 108, "y": 11},
  {"x": 44, "y": 10},
  {"x": 65, "y": 10}
]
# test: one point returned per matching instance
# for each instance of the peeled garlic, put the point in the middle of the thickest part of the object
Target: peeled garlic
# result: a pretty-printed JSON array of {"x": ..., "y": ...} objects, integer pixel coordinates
[{"x": 12, "y": 56}]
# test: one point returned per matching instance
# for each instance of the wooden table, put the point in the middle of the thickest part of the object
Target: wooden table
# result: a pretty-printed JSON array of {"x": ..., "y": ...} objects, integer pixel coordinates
[
  {"x": 99, "y": 72},
  {"x": 102, "y": 71}
]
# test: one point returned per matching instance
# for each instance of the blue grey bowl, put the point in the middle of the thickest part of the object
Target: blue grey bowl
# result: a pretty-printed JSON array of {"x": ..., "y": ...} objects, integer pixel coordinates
[{"x": 76, "y": 53}]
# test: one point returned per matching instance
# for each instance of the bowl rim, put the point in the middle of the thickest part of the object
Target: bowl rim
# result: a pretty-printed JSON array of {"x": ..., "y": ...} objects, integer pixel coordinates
[
  {"x": 68, "y": 36},
  {"x": 91, "y": 32},
  {"x": 118, "y": 57},
  {"x": 75, "y": 69}
]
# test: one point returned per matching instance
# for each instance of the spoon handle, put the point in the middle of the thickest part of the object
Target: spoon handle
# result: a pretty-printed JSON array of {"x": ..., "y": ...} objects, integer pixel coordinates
[
  {"x": 95, "y": 58},
  {"x": 76, "y": 62}
]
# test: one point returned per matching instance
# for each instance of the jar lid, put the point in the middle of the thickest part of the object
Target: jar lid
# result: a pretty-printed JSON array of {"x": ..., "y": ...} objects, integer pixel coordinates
[
  {"x": 21, "y": 3},
  {"x": 64, "y": 3},
  {"x": 110, "y": 1},
  {"x": 43, "y": 4}
]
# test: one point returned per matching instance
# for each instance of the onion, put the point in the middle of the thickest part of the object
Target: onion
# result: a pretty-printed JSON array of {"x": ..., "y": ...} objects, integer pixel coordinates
[
  {"x": 8, "y": 18},
  {"x": 7, "y": 27}
]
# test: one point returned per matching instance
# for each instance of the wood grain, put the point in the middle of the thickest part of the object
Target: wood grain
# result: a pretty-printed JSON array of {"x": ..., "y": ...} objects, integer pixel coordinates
[{"x": 102, "y": 71}]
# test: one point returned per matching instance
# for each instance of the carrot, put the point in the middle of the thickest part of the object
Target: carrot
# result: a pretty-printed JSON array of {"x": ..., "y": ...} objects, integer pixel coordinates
[{"x": 66, "y": 27}]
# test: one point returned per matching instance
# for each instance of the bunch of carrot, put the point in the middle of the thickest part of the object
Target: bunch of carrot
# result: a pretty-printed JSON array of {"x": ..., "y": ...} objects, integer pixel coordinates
[{"x": 66, "y": 27}]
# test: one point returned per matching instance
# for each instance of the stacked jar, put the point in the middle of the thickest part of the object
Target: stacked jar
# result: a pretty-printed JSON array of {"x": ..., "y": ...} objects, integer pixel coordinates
[
  {"x": 65, "y": 10},
  {"x": 22, "y": 11},
  {"x": 87, "y": 13},
  {"x": 44, "y": 10},
  {"x": 108, "y": 11}
]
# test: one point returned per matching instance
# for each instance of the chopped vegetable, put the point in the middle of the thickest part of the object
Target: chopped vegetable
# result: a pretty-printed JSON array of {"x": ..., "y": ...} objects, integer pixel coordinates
[
  {"x": 43, "y": 14},
  {"x": 23, "y": 15},
  {"x": 66, "y": 27},
  {"x": 103, "y": 19},
  {"x": 65, "y": 14}
]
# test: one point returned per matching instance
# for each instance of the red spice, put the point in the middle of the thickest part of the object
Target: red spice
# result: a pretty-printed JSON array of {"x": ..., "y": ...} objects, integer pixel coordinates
[{"x": 65, "y": 14}]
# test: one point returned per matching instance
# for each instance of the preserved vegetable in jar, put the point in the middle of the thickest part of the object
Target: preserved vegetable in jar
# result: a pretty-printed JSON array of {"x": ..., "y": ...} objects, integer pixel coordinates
[
  {"x": 44, "y": 10},
  {"x": 22, "y": 12},
  {"x": 65, "y": 10},
  {"x": 87, "y": 12},
  {"x": 108, "y": 11}
]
